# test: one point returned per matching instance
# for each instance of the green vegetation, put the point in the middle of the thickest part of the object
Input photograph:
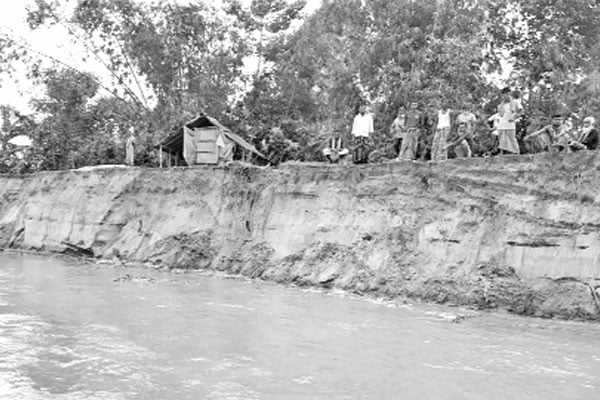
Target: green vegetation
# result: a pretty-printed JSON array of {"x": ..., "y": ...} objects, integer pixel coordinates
[{"x": 170, "y": 61}]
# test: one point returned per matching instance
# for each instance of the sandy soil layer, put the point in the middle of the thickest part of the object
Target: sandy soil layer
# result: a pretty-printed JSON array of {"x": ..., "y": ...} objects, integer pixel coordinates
[{"x": 516, "y": 233}]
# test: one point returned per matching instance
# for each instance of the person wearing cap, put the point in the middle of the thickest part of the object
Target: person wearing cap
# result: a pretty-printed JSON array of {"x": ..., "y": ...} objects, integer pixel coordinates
[{"x": 587, "y": 137}]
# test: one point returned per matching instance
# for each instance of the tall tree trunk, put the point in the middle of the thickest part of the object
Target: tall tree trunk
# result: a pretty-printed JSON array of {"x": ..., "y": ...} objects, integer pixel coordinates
[{"x": 260, "y": 49}]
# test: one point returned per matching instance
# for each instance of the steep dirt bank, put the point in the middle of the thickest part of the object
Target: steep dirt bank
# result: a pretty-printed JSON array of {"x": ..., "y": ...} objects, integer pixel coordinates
[{"x": 517, "y": 233}]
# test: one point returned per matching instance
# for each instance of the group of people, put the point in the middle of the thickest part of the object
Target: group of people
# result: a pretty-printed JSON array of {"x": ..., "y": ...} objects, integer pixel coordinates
[
  {"x": 560, "y": 135},
  {"x": 441, "y": 132},
  {"x": 452, "y": 132}
]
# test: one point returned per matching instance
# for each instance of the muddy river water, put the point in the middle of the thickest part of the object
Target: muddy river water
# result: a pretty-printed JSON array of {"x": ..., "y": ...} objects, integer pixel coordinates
[{"x": 74, "y": 331}]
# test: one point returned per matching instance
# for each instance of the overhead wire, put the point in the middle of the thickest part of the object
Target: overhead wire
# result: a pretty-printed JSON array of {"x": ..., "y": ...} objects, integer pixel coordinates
[
  {"x": 110, "y": 70},
  {"x": 60, "y": 62},
  {"x": 22, "y": 43}
]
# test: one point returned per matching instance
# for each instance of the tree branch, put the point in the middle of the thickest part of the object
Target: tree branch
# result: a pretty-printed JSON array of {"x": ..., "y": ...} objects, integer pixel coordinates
[
  {"x": 62, "y": 63},
  {"x": 120, "y": 82}
]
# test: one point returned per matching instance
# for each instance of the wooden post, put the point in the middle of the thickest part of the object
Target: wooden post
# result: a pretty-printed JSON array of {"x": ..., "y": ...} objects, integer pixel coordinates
[{"x": 160, "y": 156}]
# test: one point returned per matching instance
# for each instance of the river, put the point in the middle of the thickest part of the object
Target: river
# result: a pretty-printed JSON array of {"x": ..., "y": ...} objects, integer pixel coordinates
[{"x": 78, "y": 331}]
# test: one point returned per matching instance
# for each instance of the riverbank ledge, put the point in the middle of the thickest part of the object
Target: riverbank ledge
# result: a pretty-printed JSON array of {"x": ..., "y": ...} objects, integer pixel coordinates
[{"x": 514, "y": 233}]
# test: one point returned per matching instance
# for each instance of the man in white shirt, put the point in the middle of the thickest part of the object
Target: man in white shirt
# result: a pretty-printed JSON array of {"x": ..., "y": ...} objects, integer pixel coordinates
[{"x": 362, "y": 126}]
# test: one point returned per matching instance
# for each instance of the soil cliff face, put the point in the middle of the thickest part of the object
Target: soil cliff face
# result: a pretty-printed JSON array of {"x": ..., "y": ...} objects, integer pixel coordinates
[{"x": 518, "y": 233}]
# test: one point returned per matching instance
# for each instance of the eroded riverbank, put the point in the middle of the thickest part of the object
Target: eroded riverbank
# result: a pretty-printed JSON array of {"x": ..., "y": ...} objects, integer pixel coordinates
[
  {"x": 516, "y": 233},
  {"x": 80, "y": 331}
]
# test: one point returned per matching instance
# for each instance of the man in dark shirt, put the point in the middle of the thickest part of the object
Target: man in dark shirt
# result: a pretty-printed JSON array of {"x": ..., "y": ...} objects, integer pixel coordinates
[
  {"x": 429, "y": 122},
  {"x": 412, "y": 132},
  {"x": 587, "y": 138}
]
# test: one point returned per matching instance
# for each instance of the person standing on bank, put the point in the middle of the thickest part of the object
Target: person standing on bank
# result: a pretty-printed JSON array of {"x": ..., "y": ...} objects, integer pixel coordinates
[
  {"x": 397, "y": 130},
  {"x": 439, "y": 149},
  {"x": 413, "y": 124},
  {"x": 467, "y": 117},
  {"x": 362, "y": 126},
  {"x": 507, "y": 129},
  {"x": 130, "y": 148},
  {"x": 429, "y": 122}
]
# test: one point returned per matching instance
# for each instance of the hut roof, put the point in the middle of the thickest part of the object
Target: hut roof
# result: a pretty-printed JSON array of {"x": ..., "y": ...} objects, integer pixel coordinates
[{"x": 174, "y": 142}]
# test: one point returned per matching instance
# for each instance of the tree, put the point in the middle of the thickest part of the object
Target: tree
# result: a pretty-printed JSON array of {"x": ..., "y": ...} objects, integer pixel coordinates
[
  {"x": 168, "y": 62},
  {"x": 184, "y": 55},
  {"x": 62, "y": 139},
  {"x": 264, "y": 17},
  {"x": 382, "y": 51},
  {"x": 14, "y": 124},
  {"x": 554, "y": 41}
]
